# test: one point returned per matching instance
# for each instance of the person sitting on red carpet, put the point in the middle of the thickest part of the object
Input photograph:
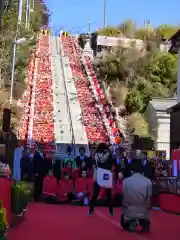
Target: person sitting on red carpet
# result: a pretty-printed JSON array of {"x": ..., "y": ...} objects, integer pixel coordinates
[
  {"x": 65, "y": 188},
  {"x": 49, "y": 188},
  {"x": 82, "y": 187},
  {"x": 83, "y": 167},
  {"x": 77, "y": 171}
]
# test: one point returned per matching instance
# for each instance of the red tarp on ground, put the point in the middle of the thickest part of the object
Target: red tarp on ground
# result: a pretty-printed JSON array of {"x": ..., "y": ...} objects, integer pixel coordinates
[{"x": 45, "y": 222}]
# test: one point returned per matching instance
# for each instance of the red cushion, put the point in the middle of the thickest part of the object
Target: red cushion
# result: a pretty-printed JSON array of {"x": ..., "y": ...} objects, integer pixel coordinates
[
  {"x": 5, "y": 197},
  {"x": 64, "y": 187},
  {"x": 170, "y": 203},
  {"x": 50, "y": 186}
]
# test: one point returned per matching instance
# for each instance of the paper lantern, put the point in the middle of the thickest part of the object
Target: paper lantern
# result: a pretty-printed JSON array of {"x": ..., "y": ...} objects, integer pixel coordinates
[{"x": 117, "y": 140}]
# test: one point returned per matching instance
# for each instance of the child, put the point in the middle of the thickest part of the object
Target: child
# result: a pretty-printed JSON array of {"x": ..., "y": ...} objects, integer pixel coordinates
[
  {"x": 77, "y": 172},
  {"x": 69, "y": 157},
  {"x": 68, "y": 169},
  {"x": 50, "y": 188},
  {"x": 65, "y": 188},
  {"x": 82, "y": 188}
]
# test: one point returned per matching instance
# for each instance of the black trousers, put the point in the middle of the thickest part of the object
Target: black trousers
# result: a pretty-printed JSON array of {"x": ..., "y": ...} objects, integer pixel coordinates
[
  {"x": 38, "y": 184},
  {"x": 96, "y": 194},
  {"x": 129, "y": 225}
]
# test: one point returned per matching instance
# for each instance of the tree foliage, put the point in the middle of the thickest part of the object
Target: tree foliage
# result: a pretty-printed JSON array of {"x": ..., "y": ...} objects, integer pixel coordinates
[
  {"x": 144, "y": 74},
  {"x": 129, "y": 29},
  {"x": 109, "y": 31}
]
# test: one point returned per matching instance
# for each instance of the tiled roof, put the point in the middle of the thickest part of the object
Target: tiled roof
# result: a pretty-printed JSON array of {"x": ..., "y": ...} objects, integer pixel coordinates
[
  {"x": 175, "y": 42},
  {"x": 163, "y": 104},
  {"x": 116, "y": 41}
]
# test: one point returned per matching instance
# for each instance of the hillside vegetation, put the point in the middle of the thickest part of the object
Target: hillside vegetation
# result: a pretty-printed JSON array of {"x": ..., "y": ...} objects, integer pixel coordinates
[{"x": 135, "y": 76}]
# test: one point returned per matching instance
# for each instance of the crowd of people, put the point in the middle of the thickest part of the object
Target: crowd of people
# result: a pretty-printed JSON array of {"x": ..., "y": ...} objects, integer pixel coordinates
[{"x": 110, "y": 178}]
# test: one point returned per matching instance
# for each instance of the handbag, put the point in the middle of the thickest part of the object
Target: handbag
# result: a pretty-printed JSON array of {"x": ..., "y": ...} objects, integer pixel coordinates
[{"x": 104, "y": 177}]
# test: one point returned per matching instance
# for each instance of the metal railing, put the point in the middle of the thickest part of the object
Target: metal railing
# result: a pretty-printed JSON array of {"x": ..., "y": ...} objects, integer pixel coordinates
[{"x": 167, "y": 185}]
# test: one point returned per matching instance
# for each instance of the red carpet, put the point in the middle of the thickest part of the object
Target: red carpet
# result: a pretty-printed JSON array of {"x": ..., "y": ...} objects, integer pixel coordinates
[{"x": 45, "y": 222}]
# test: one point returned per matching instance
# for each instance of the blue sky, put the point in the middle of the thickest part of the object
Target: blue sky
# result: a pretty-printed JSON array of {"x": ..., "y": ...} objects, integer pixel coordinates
[{"x": 74, "y": 14}]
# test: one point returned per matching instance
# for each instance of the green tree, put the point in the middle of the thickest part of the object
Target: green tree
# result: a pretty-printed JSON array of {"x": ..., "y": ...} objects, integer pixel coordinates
[
  {"x": 157, "y": 79},
  {"x": 109, "y": 32},
  {"x": 128, "y": 28},
  {"x": 145, "y": 75},
  {"x": 118, "y": 64},
  {"x": 166, "y": 30}
]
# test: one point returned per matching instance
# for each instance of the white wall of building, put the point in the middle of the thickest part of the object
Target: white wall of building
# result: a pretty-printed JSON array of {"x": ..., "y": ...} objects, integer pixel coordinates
[
  {"x": 163, "y": 133},
  {"x": 117, "y": 41}
]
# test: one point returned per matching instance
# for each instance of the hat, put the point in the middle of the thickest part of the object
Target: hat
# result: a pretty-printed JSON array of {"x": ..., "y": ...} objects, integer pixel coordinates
[
  {"x": 102, "y": 147},
  {"x": 136, "y": 165}
]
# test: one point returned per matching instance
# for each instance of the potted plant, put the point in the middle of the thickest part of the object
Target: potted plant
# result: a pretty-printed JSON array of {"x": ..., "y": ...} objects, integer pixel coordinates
[
  {"x": 20, "y": 196},
  {"x": 3, "y": 222}
]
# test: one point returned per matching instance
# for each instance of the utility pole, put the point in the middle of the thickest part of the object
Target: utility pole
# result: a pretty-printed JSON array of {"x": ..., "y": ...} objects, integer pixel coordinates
[
  {"x": 27, "y": 14},
  {"x": 89, "y": 23},
  {"x": 33, "y": 5},
  {"x": 2, "y": 41},
  {"x": 105, "y": 6},
  {"x": 20, "y": 11}
]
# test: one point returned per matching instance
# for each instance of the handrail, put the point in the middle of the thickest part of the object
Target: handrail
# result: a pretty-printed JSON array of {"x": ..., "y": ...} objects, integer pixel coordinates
[
  {"x": 67, "y": 99},
  {"x": 32, "y": 106}
]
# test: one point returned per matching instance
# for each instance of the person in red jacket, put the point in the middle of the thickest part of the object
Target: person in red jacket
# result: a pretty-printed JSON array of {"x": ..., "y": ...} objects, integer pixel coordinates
[
  {"x": 82, "y": 188},
  {"x": 77, "y": 171},
  {"x": 50, "y": 188},
  {"x": 65, "y": 189}
]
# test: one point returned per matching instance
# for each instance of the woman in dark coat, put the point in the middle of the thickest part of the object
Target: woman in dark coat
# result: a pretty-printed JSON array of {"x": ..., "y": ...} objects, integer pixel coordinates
[
  {"x": 39, "y": 173},
  {"x": 103, "y": 160}
]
